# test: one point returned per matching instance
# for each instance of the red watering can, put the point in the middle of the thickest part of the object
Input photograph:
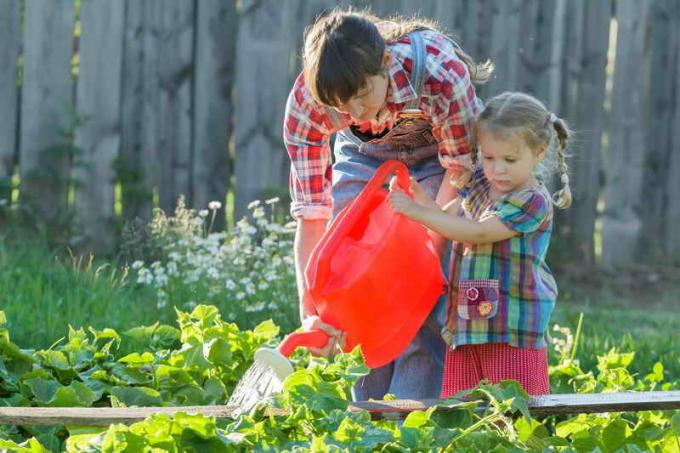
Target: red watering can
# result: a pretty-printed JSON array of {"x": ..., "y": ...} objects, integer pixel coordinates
[{"x": 375, "y": 275}]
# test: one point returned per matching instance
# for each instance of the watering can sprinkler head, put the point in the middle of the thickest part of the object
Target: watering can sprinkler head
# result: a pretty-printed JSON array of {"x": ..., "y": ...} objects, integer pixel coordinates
[
  {"x": 277, "y": 359},
  {"x": 270, "y": 368}
]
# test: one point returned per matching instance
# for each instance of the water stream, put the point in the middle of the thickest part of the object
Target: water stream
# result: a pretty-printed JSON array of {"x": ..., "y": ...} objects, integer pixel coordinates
[{"x": 257, "y": 384}]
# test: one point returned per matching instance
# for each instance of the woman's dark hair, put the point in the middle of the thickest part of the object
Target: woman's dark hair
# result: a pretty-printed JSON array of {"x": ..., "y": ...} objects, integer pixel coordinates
[{"x": 343, "y": 48}]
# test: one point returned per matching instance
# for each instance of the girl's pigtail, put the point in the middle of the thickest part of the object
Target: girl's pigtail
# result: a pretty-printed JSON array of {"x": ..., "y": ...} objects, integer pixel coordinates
[{"x": 561, "y": 198}]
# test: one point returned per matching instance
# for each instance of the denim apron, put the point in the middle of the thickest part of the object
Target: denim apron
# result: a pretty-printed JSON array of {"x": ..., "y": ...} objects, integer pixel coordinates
[{"x": 417, "y": 372}]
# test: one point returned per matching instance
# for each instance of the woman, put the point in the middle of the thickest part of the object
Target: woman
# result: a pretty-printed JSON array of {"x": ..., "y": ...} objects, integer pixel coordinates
[{"x": 394, "y": 89}]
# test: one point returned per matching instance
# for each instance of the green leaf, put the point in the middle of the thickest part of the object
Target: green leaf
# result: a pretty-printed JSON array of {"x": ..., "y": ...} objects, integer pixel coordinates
[
  {"x": 138, "y": 359},
  {"x": 30, "y": 446},
  {"x": 416, "y": 419},
  {"x": 614, "y": 435},
  {"x": 214, "y": 392},
  {"x": 528, "y": 428},
  {"x": 219, "y": 352},
  {"x": 572, "y": 425},
  {"x": 130, "y": 375},
  {"x": 512, "y": 390},
  {"x": 192, "y": 357},
  {"x": 54, "y": 359},
  {"x": 266, "y": 329},
  {"x": 120, "y": 438},
  {"x": 137, "y": 396},
  {"x": 308, "y": 388},
  {"x": 656, "y": 375},
  {"x": 42, "y": 389},
  {"x": 165, "y": 337},
  {"x": 675, "y": 423}
]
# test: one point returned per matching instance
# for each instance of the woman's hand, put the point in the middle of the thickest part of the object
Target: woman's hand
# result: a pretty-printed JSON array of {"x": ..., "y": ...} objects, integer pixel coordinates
[{"x": 336, "y": 342}]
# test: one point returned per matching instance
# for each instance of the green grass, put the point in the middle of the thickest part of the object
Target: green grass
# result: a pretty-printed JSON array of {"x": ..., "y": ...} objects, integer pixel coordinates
[
  {"x": 641, "y": 318},
  {"x": 42, "y": 294}
]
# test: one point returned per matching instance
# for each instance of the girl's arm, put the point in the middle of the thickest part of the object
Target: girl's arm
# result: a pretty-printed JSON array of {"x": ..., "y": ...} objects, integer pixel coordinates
[
  {"x": 446, "y": 194},
  {"x": 448, "y": 224}
]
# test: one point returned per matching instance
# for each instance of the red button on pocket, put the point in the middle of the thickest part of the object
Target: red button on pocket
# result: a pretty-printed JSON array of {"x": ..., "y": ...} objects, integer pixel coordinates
[{"x": 472, "y": 293}]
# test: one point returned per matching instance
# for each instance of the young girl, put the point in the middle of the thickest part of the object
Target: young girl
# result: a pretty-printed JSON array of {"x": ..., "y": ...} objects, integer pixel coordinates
[
  {"x": 395, "y": 89},
  {"x": 502, "y": 293}
]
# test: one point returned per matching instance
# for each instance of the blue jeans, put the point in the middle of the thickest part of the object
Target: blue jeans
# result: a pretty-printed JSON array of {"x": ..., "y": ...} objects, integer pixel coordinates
[{"x": 417, "y": 372}]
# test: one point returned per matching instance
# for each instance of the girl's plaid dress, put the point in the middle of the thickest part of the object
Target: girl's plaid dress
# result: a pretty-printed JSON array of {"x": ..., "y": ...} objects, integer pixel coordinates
[{"x": 503, "y": 292}]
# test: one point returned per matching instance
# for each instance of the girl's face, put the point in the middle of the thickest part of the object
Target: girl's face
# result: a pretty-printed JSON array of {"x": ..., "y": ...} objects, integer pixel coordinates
[
  {"x": 507, "y": 161},
  {"x": 367, "y": 102}
]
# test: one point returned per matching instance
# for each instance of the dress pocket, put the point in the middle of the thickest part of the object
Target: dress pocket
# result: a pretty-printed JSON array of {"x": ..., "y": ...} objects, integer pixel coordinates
[{"x": 477, "y": 299}]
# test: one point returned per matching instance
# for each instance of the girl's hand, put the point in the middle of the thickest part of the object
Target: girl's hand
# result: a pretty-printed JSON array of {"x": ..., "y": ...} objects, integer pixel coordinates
[
  {"x": 403, "y": 204},
  {"x": 420, "y": 196},
  {"x": 335, "y": 344}
]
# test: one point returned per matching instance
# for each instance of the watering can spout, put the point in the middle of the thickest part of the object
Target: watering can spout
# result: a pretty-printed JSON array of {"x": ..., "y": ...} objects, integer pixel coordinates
[
  {"x": 277, "y": 359},
  {"x": 311, "y": 338}
]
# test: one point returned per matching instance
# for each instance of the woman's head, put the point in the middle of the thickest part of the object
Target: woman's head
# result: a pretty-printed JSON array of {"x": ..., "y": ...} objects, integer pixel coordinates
[
  {"x": 515, "y": 134},
  {"x": 345, "y": 59}
]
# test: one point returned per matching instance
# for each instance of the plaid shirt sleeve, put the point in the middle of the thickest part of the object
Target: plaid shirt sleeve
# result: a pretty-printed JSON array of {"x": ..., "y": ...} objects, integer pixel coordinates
[
  {"x": 306, "y": 133},
  {"x": 525, "y": 211},
  {"x": 454, "y": 113}
]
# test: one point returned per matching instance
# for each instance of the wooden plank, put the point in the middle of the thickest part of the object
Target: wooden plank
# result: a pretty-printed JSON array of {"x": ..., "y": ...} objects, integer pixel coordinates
[
  {"x": 175, "y": 75},
  {"x": 136, "y": 168},
  {"x": 98, "y": 99},
  {"x": 9, "y": 109},
  {"x": 621, "y": 222},
  {"x": 216, "y": 26},
  {"x": 504, "y": 46},
  {"x": 672, "y": 218},
  {"x": 543, "y": 405},
  {"x": 656, "y": 229},
  {"x": 47, "y": 94},
  {"x": 269, "y": 40},
  {"x": 535, "y": 65},
  {"x": 585, "y": 45}
]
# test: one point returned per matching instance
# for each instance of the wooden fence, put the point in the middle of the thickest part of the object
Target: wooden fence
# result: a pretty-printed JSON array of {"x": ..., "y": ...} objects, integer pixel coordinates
[{"x": 109, "y": 107}]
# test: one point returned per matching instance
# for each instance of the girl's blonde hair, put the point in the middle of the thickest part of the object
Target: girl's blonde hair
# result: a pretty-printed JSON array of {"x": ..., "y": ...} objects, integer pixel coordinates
[
  {"x": 344, "y": 47},
  {"x": 526, "y": 117}
]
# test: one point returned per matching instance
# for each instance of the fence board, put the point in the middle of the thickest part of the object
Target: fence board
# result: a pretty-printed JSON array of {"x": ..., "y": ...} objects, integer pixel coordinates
[
  {"x": 504, "y": 46},
  {"x": 216, "y": 30},
  {"x": 583, "y": 95},
  {"x": 9, "y": 51},
  {"x": 175, "y": 74},
  {"x": 47, "y": 96},
  {"x": 621, "y": 222},
  {"x": 541, "y": 405},
  {"x": 672, "y": 218},
  {"x": 134, "y": 169},
  {"x": 658, "y": 118},
  {"x": 98, "y": 139},
  {"x": 265, "y": 41}
]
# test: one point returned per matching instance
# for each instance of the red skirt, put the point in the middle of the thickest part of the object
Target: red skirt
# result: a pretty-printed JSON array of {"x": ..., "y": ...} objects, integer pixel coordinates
[{"x": 465, "y": 366}]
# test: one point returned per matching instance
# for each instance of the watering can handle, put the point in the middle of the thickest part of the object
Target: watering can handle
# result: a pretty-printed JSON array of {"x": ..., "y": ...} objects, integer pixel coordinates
[
  {"x": 310, "y": 338},
  {"x": 361, "y": 203}
]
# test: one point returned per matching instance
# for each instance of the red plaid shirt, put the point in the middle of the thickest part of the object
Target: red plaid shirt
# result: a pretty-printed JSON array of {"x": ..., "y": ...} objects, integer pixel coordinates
[{"x": 448, "y": 100}]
